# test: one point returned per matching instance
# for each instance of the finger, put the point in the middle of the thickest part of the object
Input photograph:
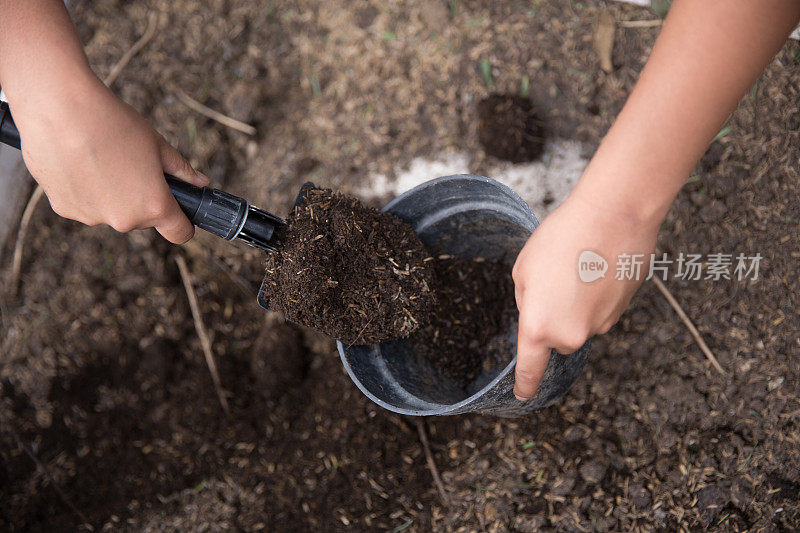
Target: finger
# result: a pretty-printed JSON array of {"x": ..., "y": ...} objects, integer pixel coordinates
[
  {"x": 174, "y": 226},
  {"x": 532, "y": 361},
  {"x": 174, "y": 164},
  {"x": 176, "y": 229}
]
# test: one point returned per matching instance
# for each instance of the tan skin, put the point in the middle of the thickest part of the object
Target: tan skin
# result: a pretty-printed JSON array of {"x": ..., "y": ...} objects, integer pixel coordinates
[
  {"x": 97, "y": 159},
  {"x": 109, "y": 169},
  {"x": 709, "y": 53}
]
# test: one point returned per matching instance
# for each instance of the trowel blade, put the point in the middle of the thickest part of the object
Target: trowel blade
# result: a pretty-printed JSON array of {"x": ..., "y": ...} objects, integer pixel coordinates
[{"x": 262, "y": 299}]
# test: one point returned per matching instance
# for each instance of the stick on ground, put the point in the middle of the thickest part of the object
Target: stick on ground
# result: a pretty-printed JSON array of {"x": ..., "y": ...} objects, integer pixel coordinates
[
  {"x": 205, "y": 342},
  {"x": 41, "y": 466},
  {"x": 225, "y": 120},
  {"x": 116, "y": 70},
  {"x": 652, "y": 23},
  {"x": 423, "y": 437},
  {"x": 689, "y": 325},
  {"x": 603, "y": 39},
  {"x": 195, "y": 249},
  {"x": 16, "y": 264}
]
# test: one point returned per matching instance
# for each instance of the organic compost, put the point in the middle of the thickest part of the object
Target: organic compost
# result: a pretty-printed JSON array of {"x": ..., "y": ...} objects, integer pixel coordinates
[
  {"x": 350, "y": 271},
  {"x": 475, "y": 307},
  {"x": 509, "y": 128}
]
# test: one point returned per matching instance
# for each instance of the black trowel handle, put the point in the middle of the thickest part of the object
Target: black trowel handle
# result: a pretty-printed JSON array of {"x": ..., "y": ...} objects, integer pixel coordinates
[
  {"x": 8, "y": 130},
  {"x": 215, "y": 211},
  {"x": 225, "y": 215}
]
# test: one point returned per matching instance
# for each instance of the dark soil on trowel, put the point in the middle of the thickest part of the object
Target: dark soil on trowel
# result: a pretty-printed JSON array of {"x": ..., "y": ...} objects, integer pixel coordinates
[
  {"x": 475, "y": 307},
  {"x": 350, "y": 271},
  {"x": 509, "y": 128}
]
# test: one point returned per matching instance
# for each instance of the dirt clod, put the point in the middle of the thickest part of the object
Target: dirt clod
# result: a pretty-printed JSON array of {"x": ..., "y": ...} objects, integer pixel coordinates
[
  {"x": 509, "y": 128},
  {"x": 350, "y": 271},
  {"x": 475, "y": 306}
]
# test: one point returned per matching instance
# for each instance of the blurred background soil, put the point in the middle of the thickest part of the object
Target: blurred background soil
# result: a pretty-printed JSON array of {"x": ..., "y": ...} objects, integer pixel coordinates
[{"x": 105, "y": 398}]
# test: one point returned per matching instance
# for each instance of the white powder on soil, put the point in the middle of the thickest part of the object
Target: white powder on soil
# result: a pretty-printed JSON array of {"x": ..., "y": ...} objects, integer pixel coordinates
[{"x": 544, "y": 184}]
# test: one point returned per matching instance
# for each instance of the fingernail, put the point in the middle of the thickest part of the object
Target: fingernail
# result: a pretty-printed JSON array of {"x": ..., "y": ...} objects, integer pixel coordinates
[
  {"x": 520, "y": 398},
  {"x": 202, "y": 178}
]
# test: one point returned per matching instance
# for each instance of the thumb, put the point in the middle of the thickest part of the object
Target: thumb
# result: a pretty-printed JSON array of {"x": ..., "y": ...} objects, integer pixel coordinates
[
  {"x": 173, "y": 224},
  {"x": 532, "y": 359},
  {"x": 174, "y": 164}
]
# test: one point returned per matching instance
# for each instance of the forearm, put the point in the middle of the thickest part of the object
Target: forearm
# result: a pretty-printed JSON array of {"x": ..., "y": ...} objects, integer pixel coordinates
[
  {"x": 708, "y": 55},
  {"x": 40, "y": 53}
]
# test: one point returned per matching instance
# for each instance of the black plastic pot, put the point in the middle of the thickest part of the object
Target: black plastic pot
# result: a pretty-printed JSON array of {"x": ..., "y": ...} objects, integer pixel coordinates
[{"x": 467, "y": 216}]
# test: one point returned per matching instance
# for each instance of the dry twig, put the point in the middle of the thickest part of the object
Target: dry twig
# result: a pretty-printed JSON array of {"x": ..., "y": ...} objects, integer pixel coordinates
[
  {"x": 50, "y": 477},
  {"x": 603, "y": 40},
  {"x": 689, "y": 325},
  {"x": 360, "y": 333},
  {"x": 116, "y": 70},
  {"x": 198, "y": 250},
  {"x": 16, "y": 264},
  {"x": 423, "y": 437},
  {"x": 225, "y": 120},
  {"x": 651, "y": 23},
  {"x": 205, "y": 342},
  {"x": 237, "y": 278}
]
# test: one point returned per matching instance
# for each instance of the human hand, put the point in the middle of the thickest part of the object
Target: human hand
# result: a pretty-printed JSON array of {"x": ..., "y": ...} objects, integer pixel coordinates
[
  {"x": 100, "y": 162},
  {"x": 556, "y": 309},
  {"x": 684, "y": 93}
]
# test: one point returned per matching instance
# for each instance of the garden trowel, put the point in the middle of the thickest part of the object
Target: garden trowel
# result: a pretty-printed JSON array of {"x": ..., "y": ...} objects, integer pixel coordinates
[{"x": 218, "y": 212}]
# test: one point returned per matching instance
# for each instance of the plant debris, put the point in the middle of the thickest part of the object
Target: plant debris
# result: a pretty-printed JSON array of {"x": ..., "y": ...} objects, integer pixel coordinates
[
  {"x": 508, "y": 128},
  {"x": 603, "y": 39},
  {"x": 475, "y": 308},
  {"x": 350, "y": 271}
]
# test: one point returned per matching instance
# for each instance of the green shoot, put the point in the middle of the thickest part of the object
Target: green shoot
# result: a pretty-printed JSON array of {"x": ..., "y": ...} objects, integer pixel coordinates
[
  {"x": 722, "y": 133},
  {"x": 525, "y": 87},
  {"x": 486, "y": 72}
]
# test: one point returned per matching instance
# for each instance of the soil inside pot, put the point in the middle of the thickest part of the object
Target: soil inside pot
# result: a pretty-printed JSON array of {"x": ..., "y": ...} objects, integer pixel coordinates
[
  {"x": 350, "y": 271},
  {"x": 475, "y": 308}
]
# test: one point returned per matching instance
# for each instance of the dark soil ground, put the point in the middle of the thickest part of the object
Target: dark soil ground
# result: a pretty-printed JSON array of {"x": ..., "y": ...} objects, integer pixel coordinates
[
  {"x": 509, "y": 128},
  {"x": 103, "y": 379},
  {"x": 357, "y": 274},
  {"x": 475, "y": 309}
]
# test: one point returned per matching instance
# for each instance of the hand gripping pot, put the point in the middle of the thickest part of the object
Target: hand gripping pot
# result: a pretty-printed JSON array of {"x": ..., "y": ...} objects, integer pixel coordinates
[{"x": 466, "y": 216}]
